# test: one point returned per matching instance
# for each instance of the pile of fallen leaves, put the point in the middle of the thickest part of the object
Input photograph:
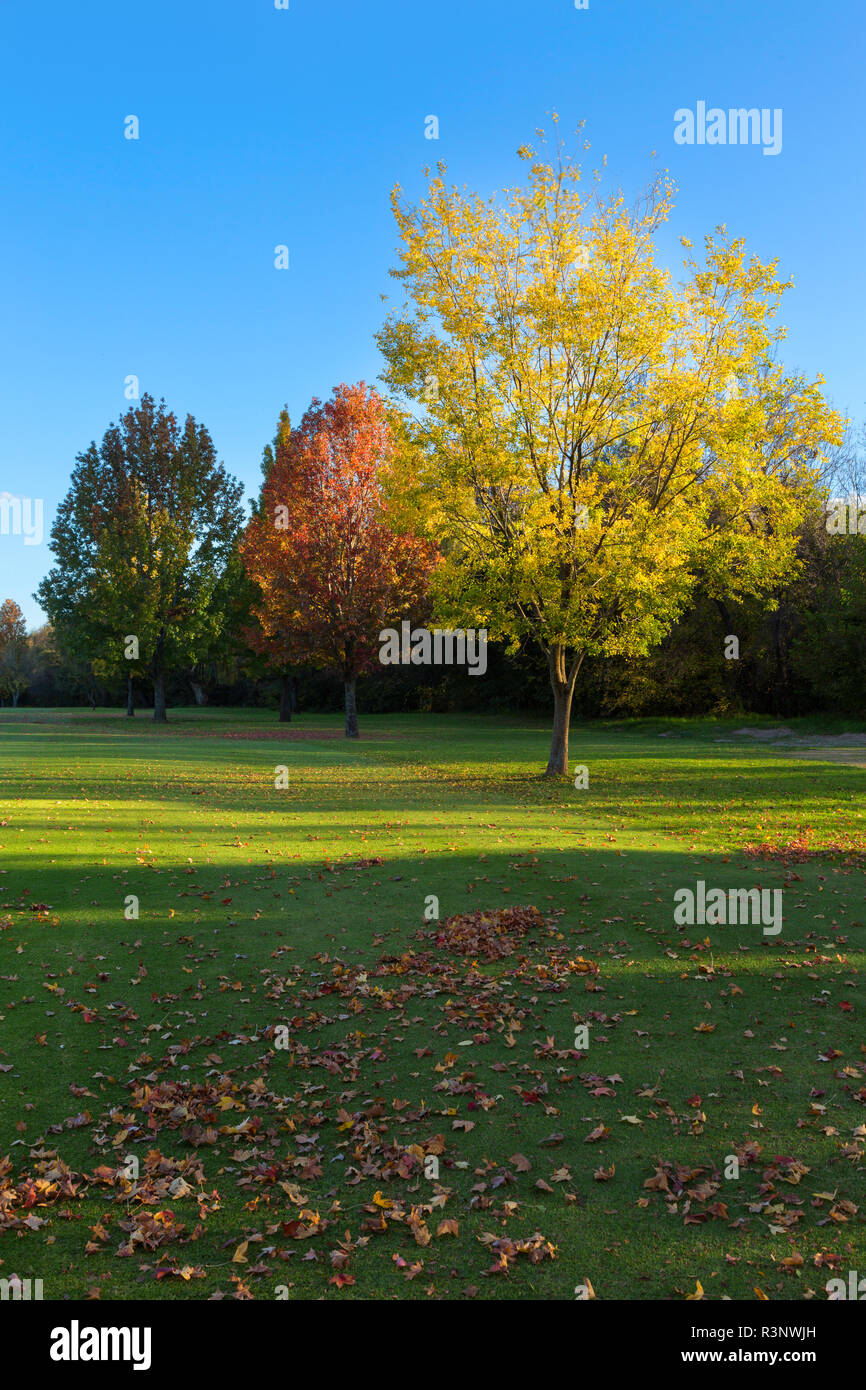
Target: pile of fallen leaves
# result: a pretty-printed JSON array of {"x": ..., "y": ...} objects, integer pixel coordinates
[{"x": 490, "y": 935}]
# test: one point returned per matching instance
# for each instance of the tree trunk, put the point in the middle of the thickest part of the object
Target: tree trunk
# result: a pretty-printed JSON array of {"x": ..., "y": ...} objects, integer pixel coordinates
[
  {"x": 285, "y": 700},
  {"x": 199, "y": 692},
  {"x": 15, "y": 695},
  {"x": 130, "y": 698},
  {"x": 351, "y": 709},
  {"x": 562, "y": 683},
  {"x": 159, "y": 713}
]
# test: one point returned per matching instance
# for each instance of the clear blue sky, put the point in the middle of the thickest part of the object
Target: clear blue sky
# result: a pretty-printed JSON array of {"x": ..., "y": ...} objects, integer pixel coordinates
[{"x": 261, "y": 126}]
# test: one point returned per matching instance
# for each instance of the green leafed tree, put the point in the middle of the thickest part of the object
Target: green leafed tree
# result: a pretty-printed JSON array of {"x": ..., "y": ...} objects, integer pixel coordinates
[
  {"x": 591, "y": 433},
  {"x": 142, "y": 542},
  {"x": 14, "y": 677}
]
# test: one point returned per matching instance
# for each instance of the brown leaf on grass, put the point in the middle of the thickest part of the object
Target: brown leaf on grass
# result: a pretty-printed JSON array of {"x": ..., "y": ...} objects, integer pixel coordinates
[{"x": 793, "y": 1261}]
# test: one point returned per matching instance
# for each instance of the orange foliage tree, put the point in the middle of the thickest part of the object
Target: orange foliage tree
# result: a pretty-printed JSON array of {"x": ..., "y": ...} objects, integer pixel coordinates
[
  {"x": 272, "y": 647},
  {"x": 322, "y": 547}
]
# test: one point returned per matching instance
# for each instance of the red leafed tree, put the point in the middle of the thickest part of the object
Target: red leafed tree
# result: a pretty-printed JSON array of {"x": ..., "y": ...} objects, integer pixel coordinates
[
  {"x": 330, "y": 566},
  {"x": 271, "y": 646}
]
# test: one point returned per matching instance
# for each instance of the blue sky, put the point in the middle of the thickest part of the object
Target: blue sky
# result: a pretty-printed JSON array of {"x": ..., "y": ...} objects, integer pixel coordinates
[{"x": 261, "y": 127}]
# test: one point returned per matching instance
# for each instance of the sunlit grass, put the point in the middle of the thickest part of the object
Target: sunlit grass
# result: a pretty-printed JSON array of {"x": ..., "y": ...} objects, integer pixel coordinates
[{"x": 228, "y": 870}]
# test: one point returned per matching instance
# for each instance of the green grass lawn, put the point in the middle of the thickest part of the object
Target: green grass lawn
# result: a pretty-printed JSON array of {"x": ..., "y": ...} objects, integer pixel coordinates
[{"x": 297, "y": 916}]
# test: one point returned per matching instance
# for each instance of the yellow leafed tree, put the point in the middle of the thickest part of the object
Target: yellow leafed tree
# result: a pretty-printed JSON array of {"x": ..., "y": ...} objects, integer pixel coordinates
[{"x": 591, "y": 432}]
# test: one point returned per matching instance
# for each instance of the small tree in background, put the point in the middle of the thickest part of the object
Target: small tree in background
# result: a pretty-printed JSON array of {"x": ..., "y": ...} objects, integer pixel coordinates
[
  {"x": 331, "y": 568},
  {"x": 14, "y": 678}
]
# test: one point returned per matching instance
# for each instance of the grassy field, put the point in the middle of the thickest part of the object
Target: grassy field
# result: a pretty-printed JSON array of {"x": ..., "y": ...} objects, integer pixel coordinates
[{"x": 247, "y": 1091}]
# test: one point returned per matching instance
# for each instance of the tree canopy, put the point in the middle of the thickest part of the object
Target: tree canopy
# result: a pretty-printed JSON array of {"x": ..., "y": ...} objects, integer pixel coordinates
[
  {"x": 141, "y": 543},
  {"x": 322, "y": 547},
  {"x": 592, "y": 433}
]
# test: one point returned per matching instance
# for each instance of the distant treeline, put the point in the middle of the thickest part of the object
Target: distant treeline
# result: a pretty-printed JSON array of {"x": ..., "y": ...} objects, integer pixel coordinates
[{"x": 806, "y": 656}]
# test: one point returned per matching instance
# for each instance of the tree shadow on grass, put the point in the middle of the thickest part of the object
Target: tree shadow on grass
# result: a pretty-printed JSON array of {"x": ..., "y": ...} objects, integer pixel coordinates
[{"x": 157, "y": 1039}]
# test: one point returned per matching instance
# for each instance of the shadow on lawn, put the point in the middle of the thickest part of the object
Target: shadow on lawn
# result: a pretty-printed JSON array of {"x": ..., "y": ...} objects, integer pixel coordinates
[{"x": 162, "y": 1047}]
